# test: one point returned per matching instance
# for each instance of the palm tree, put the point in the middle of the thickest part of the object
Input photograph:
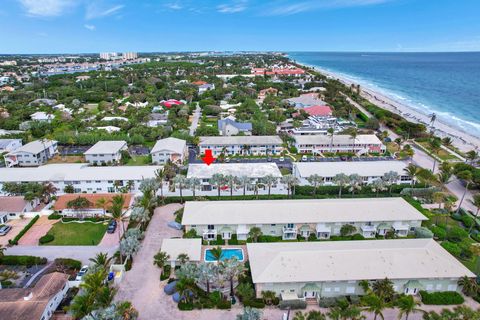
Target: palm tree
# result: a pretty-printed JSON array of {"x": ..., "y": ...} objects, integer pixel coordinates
[
  {"x": 343, "y": 311},
  {"x": 355, "y": 182},
  {"x": 378, "y": 185},
  {"x": 447, "y": 142},
  {"x": 291, "y": 181},
  {"x": 231, "y": 182},
  {"x": 268, "y": 297},
  {"x": 365, "y": 285},
  {"x": 218, "y": 180},
  {"x": 141, "y": 215},
  {"x": 250, "y": 314},
  {"x": 102, "y": 203},
  {"x": 406, "y": 306},
  {"x": 48, "y": 189},
  {"x": 101, "y": 260},
  {"x": 194, "y": 183},
  {"x": 435, "y": 146},
  {"x": 183, "y": 258},
  {"x": 160, "y": 259},
  {"x": 469, "y": 286},
  {"x": 243, "y": 182},
  {"x": 476, "y": 203},
  {"x": 181, "y": 182},
  {"x": 129, "y": 246},
  {"x": 353, "y": 135},
  {"x": 384, "y": 289},
  {"x": 254, "y": 233},
  {"x": 160, "y": 177},
  {"x": 231, "y": 270},
  {"x": 331, "y": 133},
  {"x": 117, "y": 213},
  {"x": 390, "y": 179},
  {"x": 471, "y": 155},
  {"x": 185, "y": 289},
  {"x": 374, "y": 304},
  {"x": 315, "y": 315},
  {"x": 412, "y": 170},
  {"x": 315, "y": 180},
  {"x": 467, "y": 177},
  {"x": 433, "y": 118},
  {"x": 269, "y": 180},
  {"x": 341, "y": 180},
  {"x": 206, "y": 273},
  {"x": 217, "y": 253}
]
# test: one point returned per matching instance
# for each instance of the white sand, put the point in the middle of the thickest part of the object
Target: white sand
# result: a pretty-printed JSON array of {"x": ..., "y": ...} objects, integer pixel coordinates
[{"x": 462, "y": 140}]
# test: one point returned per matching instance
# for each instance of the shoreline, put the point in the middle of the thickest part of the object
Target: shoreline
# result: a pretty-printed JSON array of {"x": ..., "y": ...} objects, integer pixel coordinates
[{"x": 460, "y": 139}]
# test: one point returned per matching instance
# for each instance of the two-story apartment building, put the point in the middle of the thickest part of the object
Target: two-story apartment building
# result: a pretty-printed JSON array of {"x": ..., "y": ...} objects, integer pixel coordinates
[
  {"x": 169, "y": 149},
  {"x": 291, "y": 218},
  {"x": 82, "y": 177},
  {"x": 242, "y": 145},
  {"x": 315, "y": 144},
  {"x": 252, "y": 174},
  {"x": 105, "y": 152},
  {"x": 9, "y": 145},
  {"x": 32, "y": 154},
  {"x": 368, "y": 170},
  {"x": 312, "y": 270}
]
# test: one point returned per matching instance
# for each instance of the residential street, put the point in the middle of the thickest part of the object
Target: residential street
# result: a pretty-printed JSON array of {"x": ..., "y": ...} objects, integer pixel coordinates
[{"x": 196, "y": 117}]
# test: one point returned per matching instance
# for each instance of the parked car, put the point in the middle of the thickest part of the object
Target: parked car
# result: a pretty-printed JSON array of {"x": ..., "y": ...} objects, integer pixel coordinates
[
  {"x": 112, "y": 226},
  {"x": 304, "y": 158},
  {"x": 269, "y": 159},
  {"x": 175, "y": 225},
  {"x": 227, "y": 159},
  {"x": 5, "y": 229},
  {"x": 281, "y": 159},
  {"x": 81, "y": 273}
]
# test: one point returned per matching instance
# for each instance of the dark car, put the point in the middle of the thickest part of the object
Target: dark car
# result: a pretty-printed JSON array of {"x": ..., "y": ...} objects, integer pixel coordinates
[{"x": 112, "y": 226}]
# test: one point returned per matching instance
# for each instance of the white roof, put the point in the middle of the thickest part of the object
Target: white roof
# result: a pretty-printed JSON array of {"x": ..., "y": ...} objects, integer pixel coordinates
[
  {"x": 251, "y": 170},
  {"x": 106, "y": 147},
  {"x": 114, "y": 118},
  {"x": 287, "y": 262},
  {"x": 337, "y": 139},
  {"x": 40, "y": 115},
  {"x": 363, "y": 168},
  {"x": 170, "y": 144},
  {"x": 174, "y": 247},
  {"x": 76, "y": 172},
  {"x": 299, "y": 211},
  {"x": 35, "y": 146},
  {"x": 241, "y": 140}
]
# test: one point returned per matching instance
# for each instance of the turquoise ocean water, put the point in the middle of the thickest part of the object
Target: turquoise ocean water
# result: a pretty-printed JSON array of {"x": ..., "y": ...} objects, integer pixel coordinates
[{"x": 447, "y": 84}]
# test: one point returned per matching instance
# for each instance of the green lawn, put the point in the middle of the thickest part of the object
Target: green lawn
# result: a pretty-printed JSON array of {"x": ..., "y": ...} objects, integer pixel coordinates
[
  {"x": 79, "y": 234},
  {"x": 139, "y": 161}
]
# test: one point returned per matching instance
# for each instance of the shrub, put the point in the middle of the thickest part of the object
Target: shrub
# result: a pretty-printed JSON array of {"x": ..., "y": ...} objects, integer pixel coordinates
[
  {"x": 6, "y": 283},
  {"x": 452, "y": 248},
  {"x": 327, "y": 302},
  {"x": 456, "y": 234},
  {"x": 358, "y": 236},
  {"x": 22, "y": 260},
  {"x": 165, "y": 272},
  {"x": 292, "y": 304},
  {"x": 441, "y": 298},
  {"x": 254, "y": 303},
  {"x": 184, "y": 306},
  {"x": 15, "y": 240},
  {"x": 69, "y": 263},
  {"x": 267, "y": 238},
  {"x": 54, "y": 216},
  {"x": 224, "y": 304},
  {"x": 439, "y": 232},
  {"x": 46, "y": 238},
  {"x": 467, "y": 221},
  {"x": 354, "y": 299},
  {"x": 422, "y": 232}
]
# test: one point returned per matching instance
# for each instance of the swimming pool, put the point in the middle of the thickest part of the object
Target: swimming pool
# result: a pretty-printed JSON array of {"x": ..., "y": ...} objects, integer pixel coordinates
[{"x": 226, "y": 254}]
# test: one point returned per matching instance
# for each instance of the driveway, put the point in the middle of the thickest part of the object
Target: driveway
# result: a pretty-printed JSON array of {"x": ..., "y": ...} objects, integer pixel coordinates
[
  {"x": 195, "y": 118},
  {"x": 38, "y": 230},
  {"x": 17, "y": 226},
  {"x": 111, "y": 239}
]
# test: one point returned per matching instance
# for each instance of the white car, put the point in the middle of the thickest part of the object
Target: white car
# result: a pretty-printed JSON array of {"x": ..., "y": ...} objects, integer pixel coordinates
[
  {"x": 281, "y": 159},
  {"x": 304, "y": 158},
  {"x": 81, "y": 273}
]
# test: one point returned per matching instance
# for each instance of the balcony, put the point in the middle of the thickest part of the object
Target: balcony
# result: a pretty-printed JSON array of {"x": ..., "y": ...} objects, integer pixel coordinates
[
  {"x": 289, "y": 233},
  {"x": 210, "y": 234}
]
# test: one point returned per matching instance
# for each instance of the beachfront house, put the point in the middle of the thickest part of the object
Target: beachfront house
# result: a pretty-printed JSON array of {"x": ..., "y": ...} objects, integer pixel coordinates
[
  {"x": 169, "y": 149},
  {"x": 369, "y": 171},
  {"x": 343, "y": 143},
  {"x": 82, "y": 177},
  {"x": 313, "y": 270},
  {"x": 242, "y": 145},
  {"x": 249, "y": 178},
  {"x": 105, "y": 152},
  {"x": 289, "y": 219},
  {"x": 32, "y": 154}
]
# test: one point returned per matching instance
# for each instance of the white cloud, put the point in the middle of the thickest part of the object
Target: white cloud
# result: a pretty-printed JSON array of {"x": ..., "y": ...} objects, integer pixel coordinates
[
  {"x": 289, "y": 8},
  {"x": 47, "y": 8},
  {"x": 96, "y": 11},
  {"x": 174, "y": 6},
  {"x": 90, "y": 27},
  {"x": 234, "y": 7}
]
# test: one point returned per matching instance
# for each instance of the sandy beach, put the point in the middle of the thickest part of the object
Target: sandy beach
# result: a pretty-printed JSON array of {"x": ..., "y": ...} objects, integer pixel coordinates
[{"x": 462, "y": 140}]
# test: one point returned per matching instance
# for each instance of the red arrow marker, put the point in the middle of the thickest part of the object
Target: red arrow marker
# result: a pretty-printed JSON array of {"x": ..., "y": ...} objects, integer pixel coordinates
[{"x": 208, "y": 159}]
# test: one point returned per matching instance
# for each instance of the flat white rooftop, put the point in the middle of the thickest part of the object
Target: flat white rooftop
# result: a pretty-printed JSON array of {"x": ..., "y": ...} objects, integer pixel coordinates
[
  {"x": 341, "y": 139},
  {"x": 106, "y": 147},
  {"x": 174, "y": 247},
  {"x": 251, "y": 170},
  {"x": 299, "y": 211},
  {"x": 76, "y": 172},
  {"x": 241, "y": 140},
  {"x": 170, "y": 144},
  {"x": 363, "y": 168},
  {"x": 352, "y": 260}
]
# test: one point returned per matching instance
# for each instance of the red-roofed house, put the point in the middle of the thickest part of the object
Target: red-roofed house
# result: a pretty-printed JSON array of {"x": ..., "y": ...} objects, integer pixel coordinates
[
  {"x": 199, "y": 83},
  {"x": 318, "y": 111},
  {"x": 171, "y": 102}
]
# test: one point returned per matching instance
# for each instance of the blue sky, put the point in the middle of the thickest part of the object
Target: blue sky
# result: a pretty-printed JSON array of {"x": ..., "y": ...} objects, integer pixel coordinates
[{"x": 76, "y": 26}]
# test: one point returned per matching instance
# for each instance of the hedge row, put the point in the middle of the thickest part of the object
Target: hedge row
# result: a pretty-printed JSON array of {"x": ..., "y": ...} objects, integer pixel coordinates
[
  {"x": 46, "y": 238},
  {"x": 69, "y": 263},
  {"x": 22, "y": 260},
  {"x": 15, "y": 240},
  {"x": 441, "y": 298}
]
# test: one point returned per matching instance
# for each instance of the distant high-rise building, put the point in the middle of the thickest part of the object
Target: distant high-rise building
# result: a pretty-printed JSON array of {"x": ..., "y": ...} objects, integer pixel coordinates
[
  {"x": 129, "y": 55},
  {"x": 108, "y": 55}
]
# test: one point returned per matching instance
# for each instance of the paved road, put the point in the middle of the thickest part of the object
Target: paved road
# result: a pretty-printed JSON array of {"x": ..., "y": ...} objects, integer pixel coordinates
[
  {"x": 196, "y": 117},
  {"x": 82, "y": 253},
  {"x": 457, "y": 188}
]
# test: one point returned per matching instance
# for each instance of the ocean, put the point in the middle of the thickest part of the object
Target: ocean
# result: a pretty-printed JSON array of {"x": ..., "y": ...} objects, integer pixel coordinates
[{"x": 447, "y": 84}]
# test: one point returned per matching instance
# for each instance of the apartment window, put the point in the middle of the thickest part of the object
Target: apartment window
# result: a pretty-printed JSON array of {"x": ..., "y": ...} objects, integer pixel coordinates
[
  {"x": 290, "y": 225},
  {"x": 326, "y": 289},
  {"x": 438, "y": 286},
  {"x": 273, "y": 225},
  {"x": 210, "y": 227}
]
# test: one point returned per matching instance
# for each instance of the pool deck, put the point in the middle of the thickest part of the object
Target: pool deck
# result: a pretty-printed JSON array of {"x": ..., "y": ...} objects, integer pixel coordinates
[{"x": 243, "y": 247}]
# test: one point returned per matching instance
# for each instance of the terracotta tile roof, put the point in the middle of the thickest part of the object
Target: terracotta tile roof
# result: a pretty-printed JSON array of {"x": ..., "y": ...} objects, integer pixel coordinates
[
  {"x": 63, "y": 200},
  {"x": 14, "y": 304},
  {"x": 12, "y": 204}
]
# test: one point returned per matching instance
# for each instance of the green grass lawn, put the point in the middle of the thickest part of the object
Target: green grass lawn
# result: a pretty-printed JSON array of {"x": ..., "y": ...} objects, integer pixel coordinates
[
  {"x": 139, "y": 161},
  {"x": 79, "y": 234}
]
